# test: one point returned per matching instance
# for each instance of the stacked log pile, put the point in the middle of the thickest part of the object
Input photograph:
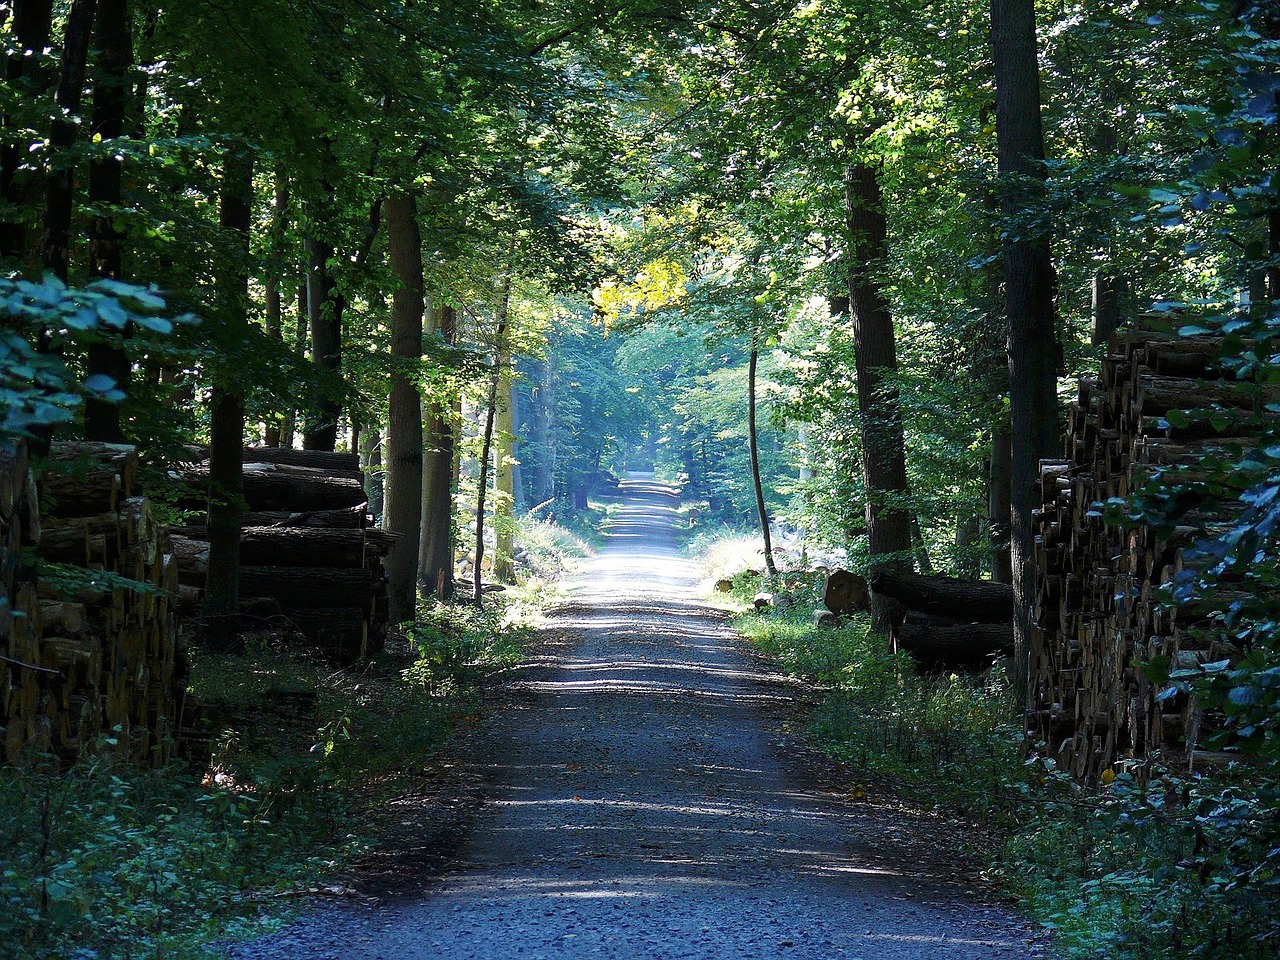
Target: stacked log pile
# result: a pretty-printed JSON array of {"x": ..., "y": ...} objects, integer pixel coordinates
[
  {"x": 310, "y": 563},
  {"x": 1097, "y": 619},
  {"x": 80, "y": 659},
  {"x": 946, "y": 623}
]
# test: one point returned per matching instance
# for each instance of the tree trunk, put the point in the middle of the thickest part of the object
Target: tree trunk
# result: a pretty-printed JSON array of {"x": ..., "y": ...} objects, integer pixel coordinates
[
  {"x": 301, "y": 336},
  {"x": 111, "y": 91},
  {"x": 883, "y": 444},
  {"x": 30, "y": 25},
  {"x": 226, "y": 406},
  {"x": 753, "y": 445},
  {"x": 371, "y": 464},
  {"x": 435, "y": 555},
  {"x": 55, "y": 246},
  {"x": 504, "y": 486},
  {"x": 324, "y": 318},
  {"x": 486, "y": 446},
  {"x": 1029, "y": 298},
  {"x": 1107, "y": 286},
  {"x": 272, "y": 305},
  {"x": 998, "y": 503},
  {"x": 403, "y": 508}
]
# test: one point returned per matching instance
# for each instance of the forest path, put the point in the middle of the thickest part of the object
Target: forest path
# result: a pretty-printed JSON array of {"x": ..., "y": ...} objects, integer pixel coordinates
[{"x": 640, "y": 806}]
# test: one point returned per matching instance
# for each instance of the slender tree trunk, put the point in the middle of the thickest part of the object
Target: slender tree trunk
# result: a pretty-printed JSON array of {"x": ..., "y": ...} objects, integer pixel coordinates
[
  {"x": 504, "y": 488},
  {"x": 1108, "y": 287},
  {"x": 999, "y": 508},
  {"x": 31, "y": 23},
  {"x": 486, "y": 446},
  {"x": 1029, "y": 299},
  {"x": 55, "y": 246},
  {"x": 273, "y": 306},
  {"x": 371, "y": 464},
  {"x": 226, "y": 405},
  {"x": 111, "y": 90},
  {"x": 753, "y": 444},
  {"x": 883, "y": 442},
  {"x": 435, "y": 559},
  {"x": 320, "y": 429},
  {"x": 301, "y": 337},
  {"x": 403, "y": 514}
]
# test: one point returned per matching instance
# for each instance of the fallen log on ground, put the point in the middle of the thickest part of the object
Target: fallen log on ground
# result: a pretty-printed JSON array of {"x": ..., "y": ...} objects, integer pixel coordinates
[
  {"x": 940, "y": 643},
  {"x": 975, "y": 601}
]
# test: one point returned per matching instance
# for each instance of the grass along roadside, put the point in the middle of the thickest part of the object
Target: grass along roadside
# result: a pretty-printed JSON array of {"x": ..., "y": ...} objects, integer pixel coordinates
[
  {"x": 1171, "y": 867},
  {"x": 111, "y": 861}
]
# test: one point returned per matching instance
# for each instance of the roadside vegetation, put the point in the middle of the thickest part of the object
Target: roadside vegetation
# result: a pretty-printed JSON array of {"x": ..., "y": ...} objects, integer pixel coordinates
[
  {"x": 1170, "y": 867},
  {"x": 107, "y": 860}
]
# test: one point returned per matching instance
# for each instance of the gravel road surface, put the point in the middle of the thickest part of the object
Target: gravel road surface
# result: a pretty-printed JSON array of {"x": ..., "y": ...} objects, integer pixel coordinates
[{"x": 634, "y": 797}]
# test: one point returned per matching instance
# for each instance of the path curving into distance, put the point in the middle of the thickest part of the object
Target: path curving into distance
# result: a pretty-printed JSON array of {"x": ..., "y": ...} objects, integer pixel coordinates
[{"x": 640, "y": 806}]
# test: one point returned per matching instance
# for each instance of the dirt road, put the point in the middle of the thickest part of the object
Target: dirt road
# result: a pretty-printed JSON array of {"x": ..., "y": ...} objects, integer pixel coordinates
[{"x": 642, "y": 807}]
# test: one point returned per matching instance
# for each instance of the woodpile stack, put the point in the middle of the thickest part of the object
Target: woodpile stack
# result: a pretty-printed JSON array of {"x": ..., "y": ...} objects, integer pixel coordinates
[
  {"x": 80, "y": 656},
  {"x": 946, "y": 623},
  {"x": 1097, "y": 619},
  {"x": 311, "y": 566}
]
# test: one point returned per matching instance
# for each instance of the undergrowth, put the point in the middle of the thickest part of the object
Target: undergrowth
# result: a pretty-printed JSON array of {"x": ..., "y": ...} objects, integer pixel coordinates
[
  {"x": 104, "y": 860},
  {"x": 1160, "y": 867}
]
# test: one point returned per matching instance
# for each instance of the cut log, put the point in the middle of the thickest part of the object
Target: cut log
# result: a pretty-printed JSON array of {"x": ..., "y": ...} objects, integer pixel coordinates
[
  {"x": 277, "y": 489},
  {"x": 976, "y": 601},
  {"x": 326, "y": 460},
  {"x": 940, "y": 643},
  {"x": 846, "y": 593},
  {"x": 304, "y": 587},
  {"x": 302, "y": 547}
]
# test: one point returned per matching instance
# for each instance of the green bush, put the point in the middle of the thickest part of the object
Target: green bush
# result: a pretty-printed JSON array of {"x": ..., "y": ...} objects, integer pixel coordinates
[{"x": 107, "y": 861}]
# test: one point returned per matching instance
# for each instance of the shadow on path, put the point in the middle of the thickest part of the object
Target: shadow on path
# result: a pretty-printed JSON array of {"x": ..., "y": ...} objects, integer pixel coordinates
[{"x": 640, "y": 807}]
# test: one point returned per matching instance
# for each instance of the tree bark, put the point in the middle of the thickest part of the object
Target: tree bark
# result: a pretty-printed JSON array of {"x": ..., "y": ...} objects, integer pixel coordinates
[
  {"x": 998, "y": 502},
  {"x": 272, "y": 305},
  {"x": 978, "y": 601},
  {"x": 31, "y": 24},
  {"x": 403, "y": 505},
  {"x": 55, "y": 246},
  {"x": 226, "y": 407},
  {"x": 883, "y": 443},
  {"x": 435, "y": 558},
  {"x": 504, "y": 482},
  {"x": 111, "y": 91},
  {"x": 753, "y": 445},
  {"x": 486, "y": 446},
  {"x": 324, "y": 318},
  {"x": 1029, "y": 298}
]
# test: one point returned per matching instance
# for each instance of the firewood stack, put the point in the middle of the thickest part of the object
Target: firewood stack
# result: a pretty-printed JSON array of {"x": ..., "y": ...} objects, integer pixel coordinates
[
  {"x": 81, "y": 660},
  {"x": 310, "y": 563},
  {"x": 1096, "y": 618}
]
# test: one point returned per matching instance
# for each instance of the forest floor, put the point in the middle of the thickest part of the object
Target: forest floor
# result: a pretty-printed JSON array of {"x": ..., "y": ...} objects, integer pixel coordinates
[{"x": 633, "y": 793}]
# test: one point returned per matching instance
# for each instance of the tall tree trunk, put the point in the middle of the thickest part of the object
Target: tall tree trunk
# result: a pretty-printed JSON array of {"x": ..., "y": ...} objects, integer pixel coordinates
[
  {"x": 753, "y": 444},
  {"x": 324, "y": 318},
  {"x": 486, "y": 445},
  {"x": 1029, "y": 299},
  {"x": 435, "y": 560},
  {"x": 371, "y": 464},
  {"x": 403, "y": 514},
  {"x": 31, "y": 24},
  {"x": 301, "y": 337},
  {"x": 55, "y": 246},
  {"x": 883, "y": 444},
  {"x": 1108, "y": 287},
  {"x": 999, "y": 509},
  {"x": 273, "y": 306},
  {"x": 504, "y": 477},
  {"x": 226, "y": 405},
  {"x": 111, "y": 91}
]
